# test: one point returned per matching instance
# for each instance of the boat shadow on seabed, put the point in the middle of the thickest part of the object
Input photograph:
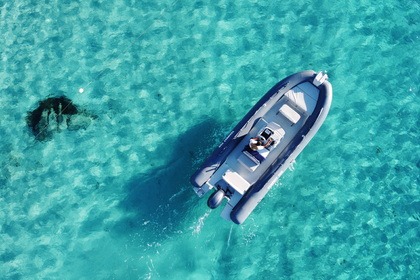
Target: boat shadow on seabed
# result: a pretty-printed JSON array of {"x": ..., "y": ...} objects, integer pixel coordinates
[{"x": 158, "y": 200}]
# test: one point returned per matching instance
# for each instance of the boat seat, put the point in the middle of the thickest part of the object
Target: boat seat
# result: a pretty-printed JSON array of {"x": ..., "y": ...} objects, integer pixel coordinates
[
  {"x": 290, "y": 114},
  {"x": 303, "y": 97},
  {"x": 235, "y": 181},
  {"x": 264, "y": 152},
  {"x": 248, "y": 161}
]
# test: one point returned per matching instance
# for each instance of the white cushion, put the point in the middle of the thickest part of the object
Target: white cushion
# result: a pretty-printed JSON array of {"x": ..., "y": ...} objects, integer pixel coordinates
[
  {"x": 289, "y": 113},
  {"x": 236, "y": 181},
  {"x": 304, "y": 96}
]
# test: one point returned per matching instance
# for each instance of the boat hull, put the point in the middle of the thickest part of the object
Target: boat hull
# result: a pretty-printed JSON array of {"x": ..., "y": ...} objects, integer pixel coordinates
[{"x": 242, "y": 208}]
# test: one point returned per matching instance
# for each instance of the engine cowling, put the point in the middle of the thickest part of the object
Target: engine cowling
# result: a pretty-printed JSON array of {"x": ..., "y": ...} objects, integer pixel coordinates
[{"x": 216, "y": 199}]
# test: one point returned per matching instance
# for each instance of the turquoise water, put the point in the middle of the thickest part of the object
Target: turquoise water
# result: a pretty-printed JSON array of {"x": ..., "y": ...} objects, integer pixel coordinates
[{"x": 167, "y": 81}]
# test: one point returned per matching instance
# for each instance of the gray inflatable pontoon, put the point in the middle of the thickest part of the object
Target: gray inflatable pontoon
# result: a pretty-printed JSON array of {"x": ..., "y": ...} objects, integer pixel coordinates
[{"x": 263, "y": 144}]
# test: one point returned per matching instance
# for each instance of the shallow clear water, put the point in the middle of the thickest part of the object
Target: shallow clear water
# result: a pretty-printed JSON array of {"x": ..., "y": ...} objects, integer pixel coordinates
[{"x": 167, "y": 81}]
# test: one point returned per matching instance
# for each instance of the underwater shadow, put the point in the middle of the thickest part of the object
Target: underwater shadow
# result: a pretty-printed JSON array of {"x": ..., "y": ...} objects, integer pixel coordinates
[{"x": 157, "y": 201}]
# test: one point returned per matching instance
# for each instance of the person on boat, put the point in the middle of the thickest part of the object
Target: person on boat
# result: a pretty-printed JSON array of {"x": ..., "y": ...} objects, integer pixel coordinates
[{"x": 259, "y": 143}]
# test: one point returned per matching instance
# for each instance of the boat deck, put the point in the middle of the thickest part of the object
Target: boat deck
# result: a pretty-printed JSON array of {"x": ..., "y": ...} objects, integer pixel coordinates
[{"x": 286, "y": 117}]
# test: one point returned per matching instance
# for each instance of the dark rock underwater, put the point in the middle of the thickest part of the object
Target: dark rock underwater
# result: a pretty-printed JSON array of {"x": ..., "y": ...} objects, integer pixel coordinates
[{"x": 55, "y": 114}]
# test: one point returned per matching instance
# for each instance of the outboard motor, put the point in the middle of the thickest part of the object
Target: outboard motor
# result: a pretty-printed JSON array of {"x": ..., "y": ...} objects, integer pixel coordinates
[{"x": 216, "y": 199}]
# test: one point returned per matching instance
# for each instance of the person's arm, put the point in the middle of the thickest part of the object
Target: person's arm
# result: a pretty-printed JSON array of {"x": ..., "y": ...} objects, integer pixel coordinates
[{"x": 269, "y": 141}]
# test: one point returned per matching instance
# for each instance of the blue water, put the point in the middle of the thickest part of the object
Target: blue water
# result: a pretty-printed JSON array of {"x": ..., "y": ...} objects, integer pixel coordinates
[{"x": 167, "y": 81}]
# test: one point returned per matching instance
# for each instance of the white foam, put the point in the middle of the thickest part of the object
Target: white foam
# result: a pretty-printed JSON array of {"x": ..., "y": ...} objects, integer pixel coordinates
[{"x": 200, "y": 223}]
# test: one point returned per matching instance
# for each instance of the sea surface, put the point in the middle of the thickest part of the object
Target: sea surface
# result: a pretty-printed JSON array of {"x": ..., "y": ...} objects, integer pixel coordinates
[{"x": 165, "y": 82}]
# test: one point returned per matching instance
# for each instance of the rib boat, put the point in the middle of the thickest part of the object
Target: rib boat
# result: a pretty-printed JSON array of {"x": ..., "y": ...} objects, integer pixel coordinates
[{"x": 253, "y": 156}]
